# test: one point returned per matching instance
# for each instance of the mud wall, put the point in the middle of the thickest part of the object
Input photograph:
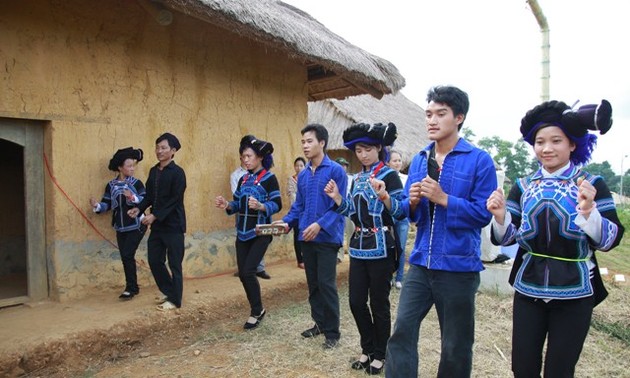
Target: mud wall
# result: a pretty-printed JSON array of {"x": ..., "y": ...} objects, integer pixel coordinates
[{"x": 106, "y": 75}]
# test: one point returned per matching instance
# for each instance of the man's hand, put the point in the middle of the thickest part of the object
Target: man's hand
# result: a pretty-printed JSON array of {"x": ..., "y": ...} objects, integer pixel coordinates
[
  {"x": 148, "y": 220},
  {"x": 311, "y": 232},
  {"x": 431, "y": 190},
  {"x": 415, "y": 194}
]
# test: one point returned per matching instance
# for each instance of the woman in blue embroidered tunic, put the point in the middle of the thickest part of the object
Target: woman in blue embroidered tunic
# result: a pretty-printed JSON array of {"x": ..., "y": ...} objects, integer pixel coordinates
[
  {"x": 256, "y": 199},
  {"x": 121, "y": 194},
  {"x": 559, "y": 216},
  {"x": 372, "y": 204}
]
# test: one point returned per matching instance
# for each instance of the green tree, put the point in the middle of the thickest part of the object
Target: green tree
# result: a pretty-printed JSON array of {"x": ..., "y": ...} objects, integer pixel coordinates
[
  {"x": 514, "y": 158},
  {"x": 605, "y": 170},
  {"x": 467, "y": 134}
]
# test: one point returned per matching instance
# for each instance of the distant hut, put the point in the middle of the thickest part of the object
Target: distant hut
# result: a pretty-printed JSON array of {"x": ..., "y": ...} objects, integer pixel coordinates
[{"x": 337, "y": 115}]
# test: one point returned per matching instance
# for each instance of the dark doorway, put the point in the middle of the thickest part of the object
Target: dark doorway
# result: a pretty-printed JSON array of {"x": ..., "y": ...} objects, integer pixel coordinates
[{"x": 13, "y": 253}]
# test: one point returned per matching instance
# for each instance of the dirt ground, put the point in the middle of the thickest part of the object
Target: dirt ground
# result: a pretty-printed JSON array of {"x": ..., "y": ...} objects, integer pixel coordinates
[
  {"x": 61, "y": 339},
  {"x": 103, "y": 337}
]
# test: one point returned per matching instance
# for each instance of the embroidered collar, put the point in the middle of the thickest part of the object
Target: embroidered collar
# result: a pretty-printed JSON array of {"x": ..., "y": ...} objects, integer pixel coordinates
[
  {"x": 258, "y": 177},
  {"x": 376, "y": 169},
  {"x": 567, "y": 172}
]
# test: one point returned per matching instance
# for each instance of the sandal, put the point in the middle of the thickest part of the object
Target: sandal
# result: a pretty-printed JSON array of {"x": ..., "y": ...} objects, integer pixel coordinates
[
  {"x": 360, "y": 364},
  {"x": 254, "y": 321},
  {"x": 126, "y": 295}
]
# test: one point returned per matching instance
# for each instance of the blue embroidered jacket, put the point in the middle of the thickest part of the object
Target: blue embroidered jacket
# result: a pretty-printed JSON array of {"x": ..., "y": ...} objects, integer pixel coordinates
[
  {"x": 114, "y": 199},
  {"x": 262, "y": 185},
  {"x": 555, "y": 256},
  {"x": 372, "y": 238}
]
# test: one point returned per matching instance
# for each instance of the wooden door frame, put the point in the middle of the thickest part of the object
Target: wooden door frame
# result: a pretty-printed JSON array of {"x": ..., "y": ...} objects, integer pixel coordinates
[{"x": 30, "y": 135}]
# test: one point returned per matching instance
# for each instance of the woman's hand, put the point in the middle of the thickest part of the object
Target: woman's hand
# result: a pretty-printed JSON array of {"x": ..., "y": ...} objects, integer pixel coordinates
[
  {"x": 93, "y": 202},
  {"x": 586, "y": 197},
  {"x": 221, "y": 202},
  {"x": 377, "y": 185},
  {"x": 380, "y": 189},
  {"x": 332, "y": 190},
  {"x": 127, "y": 193},
  {"x": 255, "y": 204},
  {"x": 133, "y": 213},
  {"x": 496, "y": 205}
]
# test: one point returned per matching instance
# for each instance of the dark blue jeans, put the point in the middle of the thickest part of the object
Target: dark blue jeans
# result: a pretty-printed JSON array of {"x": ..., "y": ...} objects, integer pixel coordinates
[
  {"x": 320, "y": 265},
  {"x": 402, "y": 230},
  {"x": 453, "y": 294}
]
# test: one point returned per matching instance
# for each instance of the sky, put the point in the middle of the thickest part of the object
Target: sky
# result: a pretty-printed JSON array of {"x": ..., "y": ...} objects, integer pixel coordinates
[{"x": 492, "y": 50}]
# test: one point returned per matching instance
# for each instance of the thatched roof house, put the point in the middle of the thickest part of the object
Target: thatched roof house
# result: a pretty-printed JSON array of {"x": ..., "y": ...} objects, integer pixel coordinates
[
  {"x": 83, "y": 78},
  {"x": 337, "y": 115},
  {"x": 336, "y": 68}
]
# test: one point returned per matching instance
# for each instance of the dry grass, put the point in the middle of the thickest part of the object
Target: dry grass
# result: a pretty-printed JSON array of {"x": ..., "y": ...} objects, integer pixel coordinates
[{"x": 277, "y": 350}]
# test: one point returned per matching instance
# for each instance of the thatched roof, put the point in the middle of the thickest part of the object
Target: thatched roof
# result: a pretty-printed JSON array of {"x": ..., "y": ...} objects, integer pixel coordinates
[
  {"x": 336, "y": 68},
  {"x": 409, "y": 118}
]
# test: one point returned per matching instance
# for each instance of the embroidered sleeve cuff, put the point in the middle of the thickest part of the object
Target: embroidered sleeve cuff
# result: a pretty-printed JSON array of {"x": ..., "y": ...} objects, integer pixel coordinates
[
  {"x": 499, "y": 230},
  {"x": 591, "y": 226}
]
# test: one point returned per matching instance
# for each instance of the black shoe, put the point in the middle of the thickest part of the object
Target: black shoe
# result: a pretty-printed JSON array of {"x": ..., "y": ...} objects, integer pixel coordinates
[
  {"x": 263, "y": 275},
  {"x": 254, "y": 321},
  {"x": 359, "y": 365},
  {"x": 371, "y": 370},
  {"x": 126, "y": 295},
  {"x": 312, "y": 332},
  {"x": 501, "y": 258},
  {"x": 330, "y": 343}
]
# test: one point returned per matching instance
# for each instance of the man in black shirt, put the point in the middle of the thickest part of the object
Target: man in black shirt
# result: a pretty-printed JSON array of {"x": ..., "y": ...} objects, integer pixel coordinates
[{"x": 165, "y": 196}]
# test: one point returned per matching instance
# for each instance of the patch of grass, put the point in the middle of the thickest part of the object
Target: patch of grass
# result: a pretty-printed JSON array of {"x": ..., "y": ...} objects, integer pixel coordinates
[
  {"x": 617, "y": 330},
  {"x": 618, "y": 260}
]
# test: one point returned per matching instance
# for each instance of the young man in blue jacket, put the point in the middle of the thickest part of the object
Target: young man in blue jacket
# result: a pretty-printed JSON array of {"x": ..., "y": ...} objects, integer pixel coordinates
[
  {"x": 446, "y": 191},
  {"x": 321, "y": 232}
]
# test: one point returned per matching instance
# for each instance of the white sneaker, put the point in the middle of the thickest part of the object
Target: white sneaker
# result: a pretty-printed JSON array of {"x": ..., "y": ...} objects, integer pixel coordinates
[
  {"x": 398, "y": 285},
  {"x": 161, "y": 299},
  {"x": 166, "y": 306}
]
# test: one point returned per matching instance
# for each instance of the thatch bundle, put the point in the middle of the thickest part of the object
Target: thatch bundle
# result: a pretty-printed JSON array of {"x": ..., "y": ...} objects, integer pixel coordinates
[{"x": 337, "y": 115}]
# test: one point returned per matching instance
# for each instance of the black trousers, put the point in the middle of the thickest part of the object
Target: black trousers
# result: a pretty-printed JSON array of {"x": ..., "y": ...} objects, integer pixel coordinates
[
  {"x": 128, "y": 243},
  {"x": 320, "y": 266},
  {"x": 371, "y": 279},
  {"x": 297, "y": 245},
  {"x": 564, "y": 323},
  {"x": 160, "y": 246},
  {"x": 249, "y": 253}
]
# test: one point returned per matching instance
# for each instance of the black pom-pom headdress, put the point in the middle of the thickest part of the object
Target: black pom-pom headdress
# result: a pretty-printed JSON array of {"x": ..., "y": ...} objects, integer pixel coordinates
[
  {"x": 123, "y": 154},
  {"x": 574, "y": 123},
  {"x": 376, "y": 134}
]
